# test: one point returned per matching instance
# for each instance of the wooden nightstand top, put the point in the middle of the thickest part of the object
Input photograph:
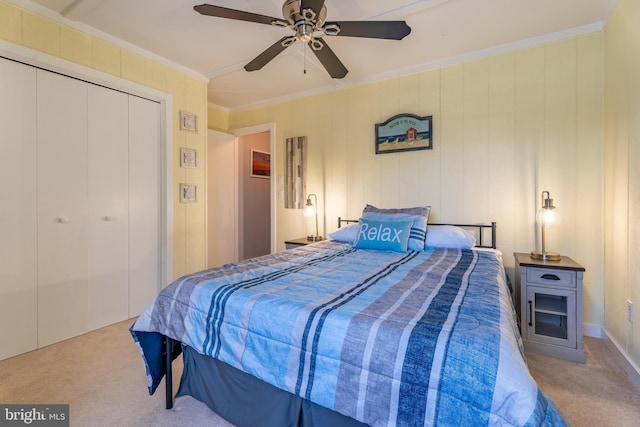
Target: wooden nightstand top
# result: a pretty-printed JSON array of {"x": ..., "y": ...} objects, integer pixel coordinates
[
  {"x": 564, "y": 263},
  {"x": 301, "y": 241}
]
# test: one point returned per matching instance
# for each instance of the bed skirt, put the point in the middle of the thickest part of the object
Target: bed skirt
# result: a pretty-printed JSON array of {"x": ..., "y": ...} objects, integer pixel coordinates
[{"x": 246, "y": 401}]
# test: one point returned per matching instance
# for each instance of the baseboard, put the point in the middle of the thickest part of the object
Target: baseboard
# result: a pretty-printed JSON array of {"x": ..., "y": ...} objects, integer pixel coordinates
[
  {"x": 593, "y": 331},
  {"x": 619, "y": 355}
]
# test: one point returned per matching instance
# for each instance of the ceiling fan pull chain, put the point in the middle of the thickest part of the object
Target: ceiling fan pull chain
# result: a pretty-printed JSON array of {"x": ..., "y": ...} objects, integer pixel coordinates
[{"x": 305, "y": 57}]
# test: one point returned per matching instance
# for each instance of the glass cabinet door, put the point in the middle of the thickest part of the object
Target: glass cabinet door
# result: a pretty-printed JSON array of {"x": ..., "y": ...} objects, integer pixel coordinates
[{"x": 550, "y": 316}]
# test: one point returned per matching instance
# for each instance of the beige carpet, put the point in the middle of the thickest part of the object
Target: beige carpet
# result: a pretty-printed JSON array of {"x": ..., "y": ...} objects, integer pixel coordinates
[
  {"x": 598, "y": 393},
  {"x": 101, "y": 375}
]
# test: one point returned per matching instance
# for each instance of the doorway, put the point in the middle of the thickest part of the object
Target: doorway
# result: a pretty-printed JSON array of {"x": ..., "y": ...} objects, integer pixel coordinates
[
  {"x": 240, "y": 222},
  {"x": 254, "y": 198}
]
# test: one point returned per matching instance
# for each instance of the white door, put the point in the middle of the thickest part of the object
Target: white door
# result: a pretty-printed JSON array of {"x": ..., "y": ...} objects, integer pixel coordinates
[
  {"x": 145, "y": 203},
  {"x": 222, "y": 202},
  {"x": 18, "y": 230},
  {"x": 62, "y": 207},
  {"x": 108, "y": 172}
]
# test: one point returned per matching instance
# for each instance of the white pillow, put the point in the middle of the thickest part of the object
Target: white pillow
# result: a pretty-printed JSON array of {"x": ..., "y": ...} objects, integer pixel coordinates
[
  {"x": 346, "y": 234},
  {"x": 449, "y": 236}
]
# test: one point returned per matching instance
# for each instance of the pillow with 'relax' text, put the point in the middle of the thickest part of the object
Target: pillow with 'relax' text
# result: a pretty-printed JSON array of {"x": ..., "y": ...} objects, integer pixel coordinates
[
  {"x": 383, "y": 235},
  {"x": 419, "y": 215}
]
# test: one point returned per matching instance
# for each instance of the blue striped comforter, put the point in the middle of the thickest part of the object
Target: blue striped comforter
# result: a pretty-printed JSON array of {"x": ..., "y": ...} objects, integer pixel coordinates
[{"x": 407, "y": 339}]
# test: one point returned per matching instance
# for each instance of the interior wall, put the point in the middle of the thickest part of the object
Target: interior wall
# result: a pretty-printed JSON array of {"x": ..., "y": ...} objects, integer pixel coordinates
[
  {"x": 222, "y": 198},
  {"x": 505, "y": 129},
  {"x": 217, "y": 118},
  {"x": 60, "y": 39},
  {"x": 622, "y": 201},
  {"x": 255, "y": 199}
]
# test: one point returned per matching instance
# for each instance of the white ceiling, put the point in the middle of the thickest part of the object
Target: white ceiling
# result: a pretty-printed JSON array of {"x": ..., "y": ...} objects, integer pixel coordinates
[{"x": 443, "y": 32}]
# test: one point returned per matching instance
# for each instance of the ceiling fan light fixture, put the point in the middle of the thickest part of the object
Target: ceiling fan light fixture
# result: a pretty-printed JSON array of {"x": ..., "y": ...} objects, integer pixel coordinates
[{"x": 304, "y": 31}]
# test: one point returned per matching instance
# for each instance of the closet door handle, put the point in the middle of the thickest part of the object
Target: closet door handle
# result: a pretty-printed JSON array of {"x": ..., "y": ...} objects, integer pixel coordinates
[
  {"x": 550, "y": 277},
  {"x": 530, "y": 313},
  {"x": 108, "y": 218},
  {"x": 62, "y": 220}
]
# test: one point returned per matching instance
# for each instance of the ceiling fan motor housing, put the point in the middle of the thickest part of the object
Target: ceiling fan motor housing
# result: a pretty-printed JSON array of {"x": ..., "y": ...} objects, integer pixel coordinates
[{"x": 305, "y": 22}]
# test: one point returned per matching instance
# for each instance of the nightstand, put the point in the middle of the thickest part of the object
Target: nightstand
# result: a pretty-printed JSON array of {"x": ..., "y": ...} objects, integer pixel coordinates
[
  {"x": 551, "y": 306},
  {"x": 296, "y": 243}
]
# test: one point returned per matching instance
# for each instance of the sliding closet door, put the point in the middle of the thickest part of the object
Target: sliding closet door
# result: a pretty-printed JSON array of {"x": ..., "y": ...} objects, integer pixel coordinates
[
  {"x": 144, "y": 203},
  {"x": 62, "y": 207},
  {"x": 18, "y": 238},
  {"x": 108, "y": 172}
]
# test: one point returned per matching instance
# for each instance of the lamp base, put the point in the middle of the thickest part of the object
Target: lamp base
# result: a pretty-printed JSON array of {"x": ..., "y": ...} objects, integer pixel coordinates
[
  {"x": 545, "y": 256},
  {"x": 313, "y": 238}
]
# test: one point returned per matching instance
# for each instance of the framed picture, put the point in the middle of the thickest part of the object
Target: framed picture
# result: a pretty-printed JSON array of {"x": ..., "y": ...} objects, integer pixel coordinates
[
  {"x": 188, "y": 122},
  {"x": 188, "y": 193},
  {"x": 260, "y": 164},
  {"x": 188, "y": 158},
  {"x": 404, "y": 132}
]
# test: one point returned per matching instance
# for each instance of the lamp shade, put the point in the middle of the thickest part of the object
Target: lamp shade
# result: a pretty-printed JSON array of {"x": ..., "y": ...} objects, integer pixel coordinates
[
  {"x": 547, "y": 215},
  {"x": 311, "y": 209}
]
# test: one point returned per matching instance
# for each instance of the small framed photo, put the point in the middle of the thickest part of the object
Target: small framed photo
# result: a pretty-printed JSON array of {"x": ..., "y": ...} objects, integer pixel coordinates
[
  {"x": 260, "y": 164},
  {"x": 188, "y": 193},
  {"x": 188, "y": 122},
  {"x": 188, "y": 158}
]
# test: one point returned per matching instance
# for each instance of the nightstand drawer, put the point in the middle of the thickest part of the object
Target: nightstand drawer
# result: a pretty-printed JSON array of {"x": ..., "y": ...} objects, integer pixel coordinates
[{"x": 551, "y": 277}]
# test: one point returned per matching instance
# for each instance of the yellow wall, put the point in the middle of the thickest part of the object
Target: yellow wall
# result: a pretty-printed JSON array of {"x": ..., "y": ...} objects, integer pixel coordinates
[
  {"x": 218, "y": 119},
  {"x": 505, "y": 129},
  {"x": 30, "y": 30},
  {"x": 622, "y": 172}
]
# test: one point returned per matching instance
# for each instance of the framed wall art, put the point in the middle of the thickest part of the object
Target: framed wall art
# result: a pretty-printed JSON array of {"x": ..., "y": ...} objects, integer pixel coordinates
[
  {"x": 188, "y": 193},
  {"x": 296, "y": 172},
  {"x": 188, "y": 158},
  {"x": 404, "y": 132},
  {"x": 188, "y": 121},
  {"x": 260, "y": 164}
]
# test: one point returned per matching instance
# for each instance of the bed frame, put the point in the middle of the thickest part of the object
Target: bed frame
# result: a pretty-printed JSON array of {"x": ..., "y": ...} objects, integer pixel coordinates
[
  {"x": 479, "y": 230},
  {"x": 172, "y": 347}
]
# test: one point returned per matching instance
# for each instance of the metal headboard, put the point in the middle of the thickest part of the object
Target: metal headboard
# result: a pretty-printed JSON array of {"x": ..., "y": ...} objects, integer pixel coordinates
[{"x": 480, "y": 231}]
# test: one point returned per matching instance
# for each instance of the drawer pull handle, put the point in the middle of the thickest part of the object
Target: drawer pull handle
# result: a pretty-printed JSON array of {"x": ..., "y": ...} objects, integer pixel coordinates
[
  {"x": 550, "y": 277},
  {"x": 530, "y": 313}
]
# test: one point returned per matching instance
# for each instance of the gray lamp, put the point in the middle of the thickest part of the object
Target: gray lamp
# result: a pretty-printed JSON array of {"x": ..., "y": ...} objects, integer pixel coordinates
[
  {"x": 311, "y": 209},
  {"x": 547, "y": 215}
]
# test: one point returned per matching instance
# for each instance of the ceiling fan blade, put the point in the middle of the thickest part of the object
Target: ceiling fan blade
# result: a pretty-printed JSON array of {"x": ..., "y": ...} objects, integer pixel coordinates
[
  {"x": 223, "y": 12},
  {"x": 315, "y": 5},
  {"x": 274, "y": 50},
  {"x": 392, "y": 30},
  {"x": 329, "y": 60}
]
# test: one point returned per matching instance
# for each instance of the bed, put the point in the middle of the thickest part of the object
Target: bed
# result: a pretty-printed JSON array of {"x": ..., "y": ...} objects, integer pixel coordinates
[{"x": 347, "y": 334}]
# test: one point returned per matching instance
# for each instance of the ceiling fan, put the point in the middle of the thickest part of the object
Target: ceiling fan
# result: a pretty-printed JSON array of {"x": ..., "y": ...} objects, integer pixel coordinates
[{"x": 307, "y": 19}]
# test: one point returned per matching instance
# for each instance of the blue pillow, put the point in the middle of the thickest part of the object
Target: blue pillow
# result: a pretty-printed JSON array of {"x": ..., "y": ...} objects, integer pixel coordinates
[
  {"x": 418, "y": 229},
  {"x": 383, "y": 235},
  {"x": 419, "y": 215}
]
